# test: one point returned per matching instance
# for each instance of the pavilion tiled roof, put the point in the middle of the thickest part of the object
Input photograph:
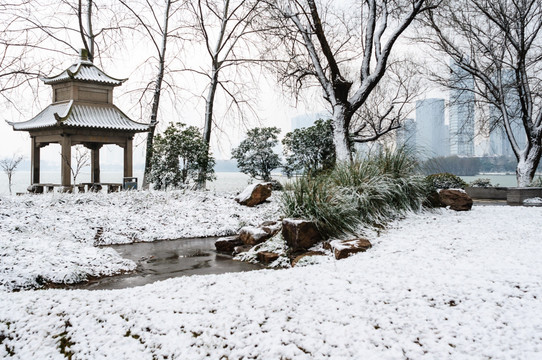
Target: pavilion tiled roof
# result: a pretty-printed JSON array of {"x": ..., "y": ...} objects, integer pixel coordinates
[
  {"x": 73, "y": 114},
  {"x": 83, "y": 70}
]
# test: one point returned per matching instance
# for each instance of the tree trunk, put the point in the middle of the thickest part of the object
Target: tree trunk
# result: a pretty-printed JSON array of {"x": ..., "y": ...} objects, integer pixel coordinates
[
  {"x": 149, "y": 152},
  {"x": 527, "y": 165},
  {"x": 341, "y": 123},
  {"x": 90, "y": 35},
  {"x": 209, "y": 103}
]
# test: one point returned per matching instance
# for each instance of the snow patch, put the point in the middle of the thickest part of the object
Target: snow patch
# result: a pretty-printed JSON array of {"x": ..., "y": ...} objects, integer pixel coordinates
[
  {"x": 52, "y": 237},
  {"x": 438, "y": 285}
]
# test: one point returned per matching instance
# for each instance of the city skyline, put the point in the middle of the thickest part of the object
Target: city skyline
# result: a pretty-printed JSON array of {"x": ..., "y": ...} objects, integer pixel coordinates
[{"x": 461, "y": 112}]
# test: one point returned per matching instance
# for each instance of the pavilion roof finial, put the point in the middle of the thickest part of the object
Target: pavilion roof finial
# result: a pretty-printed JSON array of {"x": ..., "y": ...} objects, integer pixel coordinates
[{"x": 83, "y": 54}]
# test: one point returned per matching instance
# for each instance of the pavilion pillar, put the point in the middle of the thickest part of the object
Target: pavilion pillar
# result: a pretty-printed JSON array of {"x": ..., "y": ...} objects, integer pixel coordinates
[
  {"x": 35, "y": 162},
  {"x": 95, "y": 163},
  {"x": 65, "y": 169},
  {"x": 128, "y": 160}
]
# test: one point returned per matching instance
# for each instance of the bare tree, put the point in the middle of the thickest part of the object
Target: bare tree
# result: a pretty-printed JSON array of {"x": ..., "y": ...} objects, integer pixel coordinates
[
  {"x": 87, "y": 34},
  {"x": 227, "y": 28},
  {"x": 159, "y": 32},
  {"x": 389, "y": 104},
  {"x": 92, "y": 12},
  {"x": 34, "y": 33},
  {"x": 9, "y": 166},
  {"x": 327, "y": 41},
  {"x": 499, "y": 44},
  {"x": 82, "y": 160}
]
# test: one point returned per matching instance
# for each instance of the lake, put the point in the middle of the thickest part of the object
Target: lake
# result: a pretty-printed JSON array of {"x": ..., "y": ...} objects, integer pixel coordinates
[{"x": 226, "y": 181}]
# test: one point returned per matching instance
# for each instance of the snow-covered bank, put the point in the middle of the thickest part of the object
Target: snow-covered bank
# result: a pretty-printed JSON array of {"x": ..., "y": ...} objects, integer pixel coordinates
[
  {"x": 51, "y": 237},
  {"x": 437, "y": 285}
]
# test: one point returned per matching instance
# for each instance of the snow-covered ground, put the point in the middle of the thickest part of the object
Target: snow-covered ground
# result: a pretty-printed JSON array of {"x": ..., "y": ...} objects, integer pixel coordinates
[
  {"x": 51, "y": 237},
  {"x": 441, "y": 285}
]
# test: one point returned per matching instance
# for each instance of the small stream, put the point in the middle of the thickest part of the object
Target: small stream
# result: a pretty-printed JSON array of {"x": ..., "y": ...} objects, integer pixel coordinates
[{"x": 161, "y": 260}]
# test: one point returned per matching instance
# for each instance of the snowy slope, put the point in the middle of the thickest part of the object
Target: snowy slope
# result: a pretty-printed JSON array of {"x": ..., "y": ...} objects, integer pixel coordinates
[
  {"x": 441, "y": 285},
  {"x": 51, "y": 237}
]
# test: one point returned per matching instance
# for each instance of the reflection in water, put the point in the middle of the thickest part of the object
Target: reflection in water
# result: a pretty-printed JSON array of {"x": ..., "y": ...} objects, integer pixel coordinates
[{"x": 161, "y": 260}]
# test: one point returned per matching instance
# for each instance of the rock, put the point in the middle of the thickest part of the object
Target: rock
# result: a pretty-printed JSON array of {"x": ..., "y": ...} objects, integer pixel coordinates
[
  {"x": 300, "y": 234},
  {"x": 266, "y": 257},
  {"x": 344, "y": 248},
  {"x": 254, "y": 194},
  {"x": 227, "y": 244},
  {"x": 251, "y": 235},
  {"x": 310, "y": 253},
  {"x": 433, "y": 200},
  {"x": 457, "y": 200},
  {"x": 241, "y": 249},
  {"x": 271, "y": 227}
]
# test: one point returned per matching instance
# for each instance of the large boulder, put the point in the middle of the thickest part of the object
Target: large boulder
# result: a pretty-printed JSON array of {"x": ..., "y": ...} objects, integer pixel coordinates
[
  {"x": 252, "y": 235},
  {"x": 227, "y": 244},
  {"x": 300, "y": 234},
  {"x": 456, "y": 199},
  {"x": 344, "y": 248},
  {"x": 254, "y": 194}
]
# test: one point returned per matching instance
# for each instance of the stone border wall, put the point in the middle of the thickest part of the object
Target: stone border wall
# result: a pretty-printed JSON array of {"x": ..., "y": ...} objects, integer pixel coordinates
[
  {"x": 488, "y": 193},
  {"x": 515, "y": 196}
]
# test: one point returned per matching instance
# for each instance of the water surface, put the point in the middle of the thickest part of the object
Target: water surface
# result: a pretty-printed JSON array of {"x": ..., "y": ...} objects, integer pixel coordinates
[{"x": 161, "y": 260}]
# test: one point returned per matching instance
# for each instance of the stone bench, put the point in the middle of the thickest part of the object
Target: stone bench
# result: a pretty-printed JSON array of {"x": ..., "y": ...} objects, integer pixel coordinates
[
  {"x": 39, "y": 188},
  {"x": 95, "y": 187}
]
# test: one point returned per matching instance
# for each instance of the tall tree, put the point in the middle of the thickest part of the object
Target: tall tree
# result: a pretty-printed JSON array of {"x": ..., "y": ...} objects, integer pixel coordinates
[
  {"x": 328, "y": 41},
  {"x": 227, "y": 29},
  {"x": 159, "y": 32},
  {"x": 499, "y": 44}
]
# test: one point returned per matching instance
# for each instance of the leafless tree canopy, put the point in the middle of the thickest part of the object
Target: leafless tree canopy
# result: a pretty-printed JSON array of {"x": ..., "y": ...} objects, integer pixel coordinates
[
  {"x": 344, "y": 48},
  {"x": 499, "y": 43},
  {"x": 9, "y": 166},
  {"x": 34, "y": 33}
]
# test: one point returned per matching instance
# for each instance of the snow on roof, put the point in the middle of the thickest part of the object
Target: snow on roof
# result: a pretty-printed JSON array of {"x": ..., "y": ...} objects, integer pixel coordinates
[
  {"x": 76, "y": 115},
  {"x": 83, "y": 71}
]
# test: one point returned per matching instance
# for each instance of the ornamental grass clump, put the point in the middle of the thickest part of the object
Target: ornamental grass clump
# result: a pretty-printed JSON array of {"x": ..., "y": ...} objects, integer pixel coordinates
[
  {"x": 316, "y": 199},
  {"x": 382, "y": 185},
  {"x": 369, "y": 191}
]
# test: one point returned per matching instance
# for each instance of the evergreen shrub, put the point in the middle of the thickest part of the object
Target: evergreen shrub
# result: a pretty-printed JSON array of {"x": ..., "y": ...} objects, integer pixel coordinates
[{"x": 444, "y": 181}]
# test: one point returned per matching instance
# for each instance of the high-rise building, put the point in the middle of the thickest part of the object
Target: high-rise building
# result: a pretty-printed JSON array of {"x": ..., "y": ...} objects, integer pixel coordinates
[
  {"x": 499, "y": 145},
  {"x": 431, "y": 135},
  {"x": 461, "y": 112},
  {"x": 406, "y": 134}
]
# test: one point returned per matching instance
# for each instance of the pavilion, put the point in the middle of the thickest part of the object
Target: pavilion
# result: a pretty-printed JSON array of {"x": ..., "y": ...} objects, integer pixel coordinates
[{"x": 82, "y": 112}]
